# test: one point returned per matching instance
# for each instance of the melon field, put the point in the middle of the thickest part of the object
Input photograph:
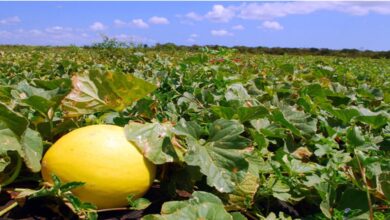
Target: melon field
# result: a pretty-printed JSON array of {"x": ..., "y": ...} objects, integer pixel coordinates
[{"x": 232, "y": 135}]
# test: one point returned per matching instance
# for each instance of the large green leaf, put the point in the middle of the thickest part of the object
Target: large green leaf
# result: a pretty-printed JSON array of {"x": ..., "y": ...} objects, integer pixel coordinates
[
  {"x": 221, "y": 158},
  {"x": 153, "y": 140},
  {"x": 13, "y": 120},
  {"x": 355, "y": 137},
  {"x": 29, "y": 146},
  {"x": 43, "y": 99},
  {"x": 99, "y": 90},
  {"x": 201, "y": 205},
  {"x": 9, "y": 141},
  {"x": 344, "y": 115},
  {"x": 10, "y": 151},
  {"x": 242, "y": 113},
  {"x": 5, "y": 94},
  {"x": 63, "y": 84},
  {"x": 39, "y": 103},
  {"x": 188, "y": 129},
  {"x": 32, "y": 149},
  {"x": 237, "y": 91},
  {"x": 297, "y": 121},
  {"x": 375, "y": 119},
  {"x": 243, "y": 194},
  {"x": 349, "y": 198}
]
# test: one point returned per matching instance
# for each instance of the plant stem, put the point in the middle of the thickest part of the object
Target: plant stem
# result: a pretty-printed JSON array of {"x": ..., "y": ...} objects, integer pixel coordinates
[
  {"x": 9, "y": 208},
  {"x": 363, "y": 173},
  {"x": 15, "y": 173}
]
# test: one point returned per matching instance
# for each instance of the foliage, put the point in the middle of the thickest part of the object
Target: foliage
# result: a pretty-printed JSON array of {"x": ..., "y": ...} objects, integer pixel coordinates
[{"x": 234, "y": 135}]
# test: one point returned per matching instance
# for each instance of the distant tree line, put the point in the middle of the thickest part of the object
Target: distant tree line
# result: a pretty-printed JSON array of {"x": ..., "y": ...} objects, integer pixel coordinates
[
  {"x": 112, "y": 43},
  {"x": 282, "y": 50}
]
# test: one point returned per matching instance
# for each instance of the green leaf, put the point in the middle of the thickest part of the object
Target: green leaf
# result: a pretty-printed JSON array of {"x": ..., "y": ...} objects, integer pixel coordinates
[
  {"x": 298, "y": 167},
  {"x": 316, "y": 90},
  {"x": 153, "y": 140},
  {"x": 376, "y": 121},
  {"x": 63, "y": 84},
  {"x": 32, "y": 149},
  {"x": 75, "y": 201},
  {"x": 138, "y": 204},
  {"x": 384, "y": 181},
  {"x": 13, "y": 120},
  {"x": 97, "y": 91},
  {"x": 5, "y": 160},
  {"x": 71, "y": 185},
  {"x": 280, "y": 190},
  {"x": 287, "y": 68},
  {"x": 264, "y": 127},
  {"x": 349, "y": 198},
  {"x": 238, "y": 216},
  {"x": 344, "y": 115},
  {"x": 242, "y": 113},
  {"x": 9, "y": 141},
  {"x": 10, "y": 161},
  {"x": 279, "y": 117},
  {"x": 188, "y": 129},
  {"x": 5, "y": 94},
  {"x": 296, "y": 121},
  {"x": 355, "y": 137},
  {"x": 201, "y": 205},
  {"x": 39, "y": 103},
  {"x": 226, "y": 134},
  {"x": 92, "y": 215},
  {"x": 224, "y": 112},
  {"x": 250, "y": 113},
  {"x": 243, "y": 195},
  {"x": 220, "y": 158},
  {"x": 24, "y": 89},
  {"x": 260, "y": 139},
  {"x": 56, "y": 180},
  {"x": 237, "y": 91}
]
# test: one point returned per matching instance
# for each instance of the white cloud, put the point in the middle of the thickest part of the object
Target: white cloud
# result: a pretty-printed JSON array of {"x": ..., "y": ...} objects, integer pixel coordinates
[
  {"x": 158, "y": 20},
  {"x": 193, "y": 16},
  {"x": 364, "y": 8},
  {"x": 191, "y": 40},
  {"x": 139, "y": 23},
  {"x": 221, "y": 33},
  {"x": 265, "y": 11},
  {"x": 10, "y": 20},
  {"x": 273, "y": 25},
  {"x": 271, "y": 10},
  {"x": 238, "y": 27},
  {"x": 119, "y": 23},
  {"x": 220, "y": 14},
  {"x": 5, "y": 34},
  {"x": 58, "y": 29},
  {"x": 36, "y": 32},
  {"x": 98, "y": 26},
  {"x": 56, "y": 35}
]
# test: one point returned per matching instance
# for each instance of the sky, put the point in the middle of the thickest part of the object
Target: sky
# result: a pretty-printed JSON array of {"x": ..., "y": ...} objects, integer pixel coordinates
[{"x": 329, "y": 24}]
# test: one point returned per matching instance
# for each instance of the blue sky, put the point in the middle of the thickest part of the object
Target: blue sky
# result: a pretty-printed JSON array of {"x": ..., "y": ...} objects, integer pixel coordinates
[{"x": 336, "y": 25}]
